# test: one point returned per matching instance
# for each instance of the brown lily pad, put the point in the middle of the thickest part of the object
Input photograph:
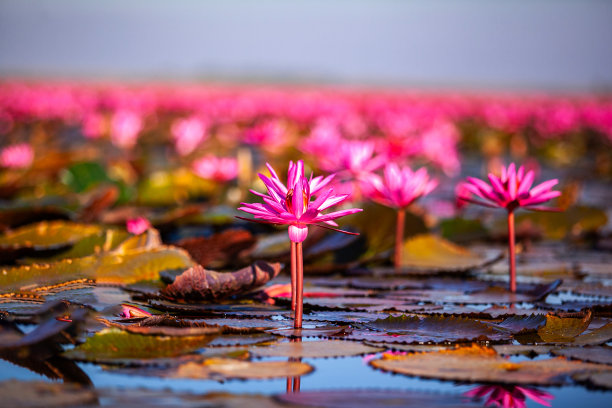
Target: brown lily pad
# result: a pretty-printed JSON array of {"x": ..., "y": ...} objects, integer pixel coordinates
[
  {"x": 600, "y": 355},
  {"x": 598, "y": 336},
  {"x": 481, "y": 364},
  {"x": 198, "y": 283},
  {"x": 231, "y": 368},
  {"x": 314, "y": 349}
]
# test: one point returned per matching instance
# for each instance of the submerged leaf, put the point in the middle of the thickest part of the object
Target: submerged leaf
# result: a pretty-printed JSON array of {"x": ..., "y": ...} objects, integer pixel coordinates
[{"x": 198, "y": 283}]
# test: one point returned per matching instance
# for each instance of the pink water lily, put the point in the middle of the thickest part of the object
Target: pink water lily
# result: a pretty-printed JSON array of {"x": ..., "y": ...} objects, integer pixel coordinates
[
  {"x": 188, "y": 133},
  {"x": 216, "y": 168},
  {"x": 511, "y": 191},
  {"x": 17, "y": 156},
  {"x": 510, "y": 396},
  {"x": 137, "y": 225},
  {"x": 398, "y": 188},
  {"x": 295, "y": 205}
]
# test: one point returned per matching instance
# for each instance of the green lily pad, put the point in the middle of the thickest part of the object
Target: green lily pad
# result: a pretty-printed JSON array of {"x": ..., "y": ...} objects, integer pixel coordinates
[{"x": 48, "y": 235}]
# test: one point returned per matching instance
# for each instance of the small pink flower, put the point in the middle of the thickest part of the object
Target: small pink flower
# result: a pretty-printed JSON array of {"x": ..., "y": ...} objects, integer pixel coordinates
[
  {"x": 125, "y": 128},
  {"x": 291, "y": 205},
  {"x": 188, "y": 134},
  {"x": 400, "y": 186},
  {"x": 510, "y": 191},
  {"x": 131, "y": 311},
  {"x": 216, "y": 168},
  {"x": 138, "y": 225},
  {"x": 18, "y": 156},
  {"x": 509, "y": 396}
]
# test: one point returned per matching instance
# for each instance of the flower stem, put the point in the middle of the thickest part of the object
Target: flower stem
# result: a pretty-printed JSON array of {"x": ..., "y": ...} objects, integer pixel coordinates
[
  {"x": 299, "y": 286},
  {"x": 293, "y": 273},
  {"x": 399, "y": 238},
  {"x": 511, "y": 251}
]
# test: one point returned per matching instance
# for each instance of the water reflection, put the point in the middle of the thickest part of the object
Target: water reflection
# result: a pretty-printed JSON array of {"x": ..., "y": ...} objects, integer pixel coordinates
[
  {"x": 293, "y": 383},
  {"x": 510, "y": 396}
]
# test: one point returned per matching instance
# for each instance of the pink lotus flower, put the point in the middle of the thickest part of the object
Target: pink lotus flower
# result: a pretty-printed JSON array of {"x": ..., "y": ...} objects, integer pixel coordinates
[
  {"x": 125, "y": 127},
  {"x": 510, "y": 396},
  {"x": 188, "y": 134},
  {"x": 355, "y": 157},
  {"x": 216, "y": 168},
  {"x": 138, "y": 225},
  {"x": 93, "y": 125},
  {"x": 292, "y": 205},
  {"x": 18, "y": 156},
  {"x": 512, "y": 190},
  {"x": 400, "y": 187}
]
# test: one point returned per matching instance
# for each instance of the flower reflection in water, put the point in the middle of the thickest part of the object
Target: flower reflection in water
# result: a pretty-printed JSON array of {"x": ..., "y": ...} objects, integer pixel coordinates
[{"x": 509, "y": 396}]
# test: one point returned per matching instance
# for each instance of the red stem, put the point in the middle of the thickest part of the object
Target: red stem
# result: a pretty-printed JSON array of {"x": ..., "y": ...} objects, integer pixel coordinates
[
  {"x": 299, "y": 286},
  {"x": 399, "y": 238},
  {"x": 293, "y": 273},
  {"x": 511, "y": 251}
]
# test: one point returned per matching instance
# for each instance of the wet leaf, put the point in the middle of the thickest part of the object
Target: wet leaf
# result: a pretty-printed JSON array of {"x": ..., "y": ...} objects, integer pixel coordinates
[
  {"x": 314, "y": 349},
  {"x": 413, "y": 329},
  {"x": 230, "y": 368},
  {"x": 119, "y": 346},
  {"x": 220, "y": 249},
  {"x": 481, "y": 364},
  {"x": 164, "y": 325},
  {"x": 376, "y": 398},
  {"x": 198, "y": 283},
  {"x": 129, "y": 267},
  {"x": 429, "y": 252}
]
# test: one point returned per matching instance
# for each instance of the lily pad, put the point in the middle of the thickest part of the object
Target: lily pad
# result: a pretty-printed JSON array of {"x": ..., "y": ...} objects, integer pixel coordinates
[
  {"x": 45, "y": 394},
  {"x": 429, "y": 252},
  {"x": 481, "y": 364},
  {"x": 129, "y": 267},
  {"x": 600, "y": 355},
  {"x": 48, "y": 235},
  {"x": 314, "y": 349},
  {"x": 231, "y": 368},
  {"x": 219, "y": 249},
  {"x": 119, "y": 346},
  {"x": 598, "y": 336}
]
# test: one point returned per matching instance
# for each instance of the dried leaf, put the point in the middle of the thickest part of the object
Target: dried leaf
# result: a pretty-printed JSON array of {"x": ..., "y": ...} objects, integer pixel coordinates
[
  {"x": 198, "y": 283},
  {"x": 481, "y": 364},
  {"x": 314, "y": 349}
]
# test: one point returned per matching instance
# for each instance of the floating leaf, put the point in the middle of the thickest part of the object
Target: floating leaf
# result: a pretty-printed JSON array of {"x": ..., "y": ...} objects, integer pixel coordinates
[
  {"x": 481, "y": 364},
  {"x": 353, "y": 398},
  {"x": 118, "y": 346},
  {"x": 163, "y": 325},
  {"x": 413, "y": 329},
  {"x": 598, "y": 336},
  {"x": 129, "y": 267},
  {"x": 429, "y": 252},
  {"x": 231, "y": 368},
  {"x": 563, "y": 329},
  {"x": 314, "y": 349},
  {"x": 198, "y": 283},
  {"x": 45, "y": 394},
  {"x": 601, "y": 379}
]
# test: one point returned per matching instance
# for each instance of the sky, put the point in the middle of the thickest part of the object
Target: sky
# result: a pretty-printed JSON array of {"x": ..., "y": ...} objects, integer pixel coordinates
[{"x": 515, "y": 44}]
